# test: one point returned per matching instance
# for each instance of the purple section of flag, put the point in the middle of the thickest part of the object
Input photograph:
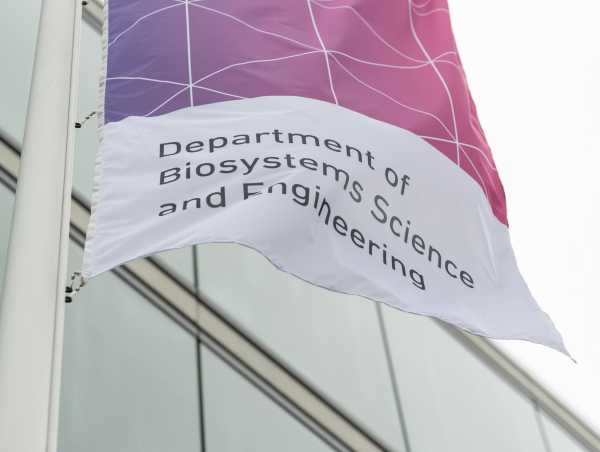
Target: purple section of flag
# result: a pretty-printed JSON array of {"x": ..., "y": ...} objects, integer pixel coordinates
[{"x": 393, "y": 60}]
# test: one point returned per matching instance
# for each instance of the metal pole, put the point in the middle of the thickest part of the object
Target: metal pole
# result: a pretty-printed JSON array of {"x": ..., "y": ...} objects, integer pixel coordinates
[{"x": 32, "y": 305}]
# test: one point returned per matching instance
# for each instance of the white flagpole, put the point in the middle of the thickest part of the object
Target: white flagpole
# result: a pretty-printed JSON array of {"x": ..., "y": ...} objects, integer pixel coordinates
[{"x": 32, "y": 304}]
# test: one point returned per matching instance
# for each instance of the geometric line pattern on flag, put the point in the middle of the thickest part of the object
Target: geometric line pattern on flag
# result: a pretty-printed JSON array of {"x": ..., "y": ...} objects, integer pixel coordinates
[{"x": 324, "y": 49}]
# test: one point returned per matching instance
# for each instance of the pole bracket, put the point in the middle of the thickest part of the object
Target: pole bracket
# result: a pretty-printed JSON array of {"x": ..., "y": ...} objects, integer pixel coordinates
[
  {"x": 79, "y": 125},
  {"x": 71, "y": 291}
]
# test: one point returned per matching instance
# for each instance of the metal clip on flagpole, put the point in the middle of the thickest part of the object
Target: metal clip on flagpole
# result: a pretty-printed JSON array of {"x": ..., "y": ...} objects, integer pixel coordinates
[
  {"x": 72, "y": 290},
  {"x": 79, "y": 125},
  {"x": 32, "y": 304}
]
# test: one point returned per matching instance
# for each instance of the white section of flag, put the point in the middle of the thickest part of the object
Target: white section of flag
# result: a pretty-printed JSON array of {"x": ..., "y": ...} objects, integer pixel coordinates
[{"x": 311, "y": 223}]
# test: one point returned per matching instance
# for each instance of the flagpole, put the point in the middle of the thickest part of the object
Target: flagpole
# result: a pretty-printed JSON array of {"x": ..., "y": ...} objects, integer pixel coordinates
[{"x": 32, "y": 303}]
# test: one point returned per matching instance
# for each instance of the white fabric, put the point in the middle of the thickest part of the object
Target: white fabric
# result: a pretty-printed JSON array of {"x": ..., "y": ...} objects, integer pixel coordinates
[{"x": 446, "y": 208}]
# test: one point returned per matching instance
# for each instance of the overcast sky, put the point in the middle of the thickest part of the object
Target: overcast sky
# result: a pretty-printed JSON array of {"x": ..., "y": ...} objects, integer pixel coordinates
[{"x": 534, "y": 71}]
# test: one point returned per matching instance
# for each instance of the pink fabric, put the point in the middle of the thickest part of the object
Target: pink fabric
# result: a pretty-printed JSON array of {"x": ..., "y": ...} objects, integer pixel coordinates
[{"x": 393, "y": 60}]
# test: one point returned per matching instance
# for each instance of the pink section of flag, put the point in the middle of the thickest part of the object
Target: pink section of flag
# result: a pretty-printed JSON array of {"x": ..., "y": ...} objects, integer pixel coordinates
[{"x": 395, "y": 61}]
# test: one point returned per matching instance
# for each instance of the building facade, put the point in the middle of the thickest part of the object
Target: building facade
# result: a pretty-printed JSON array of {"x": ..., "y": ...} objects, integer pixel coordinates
[{"x": 211, "y": 348}]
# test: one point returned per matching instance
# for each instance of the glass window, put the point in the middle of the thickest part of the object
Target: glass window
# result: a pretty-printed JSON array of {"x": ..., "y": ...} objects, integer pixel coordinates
[
  {"x": 130, "y": 380},
  {"x": 558, "y": 438},
  {"x": 240, "y": 418},
  {"x": 18, "y": 33},
  {"x": 6, "y": 208},
  {"x": 451, "y": 400},
  {"x": 180, "y": 262},
  {"x": 332, "y": 340}
]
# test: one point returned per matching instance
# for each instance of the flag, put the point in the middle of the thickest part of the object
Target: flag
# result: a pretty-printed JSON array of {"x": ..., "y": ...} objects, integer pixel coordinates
[{"x": 336, "y": 137}]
